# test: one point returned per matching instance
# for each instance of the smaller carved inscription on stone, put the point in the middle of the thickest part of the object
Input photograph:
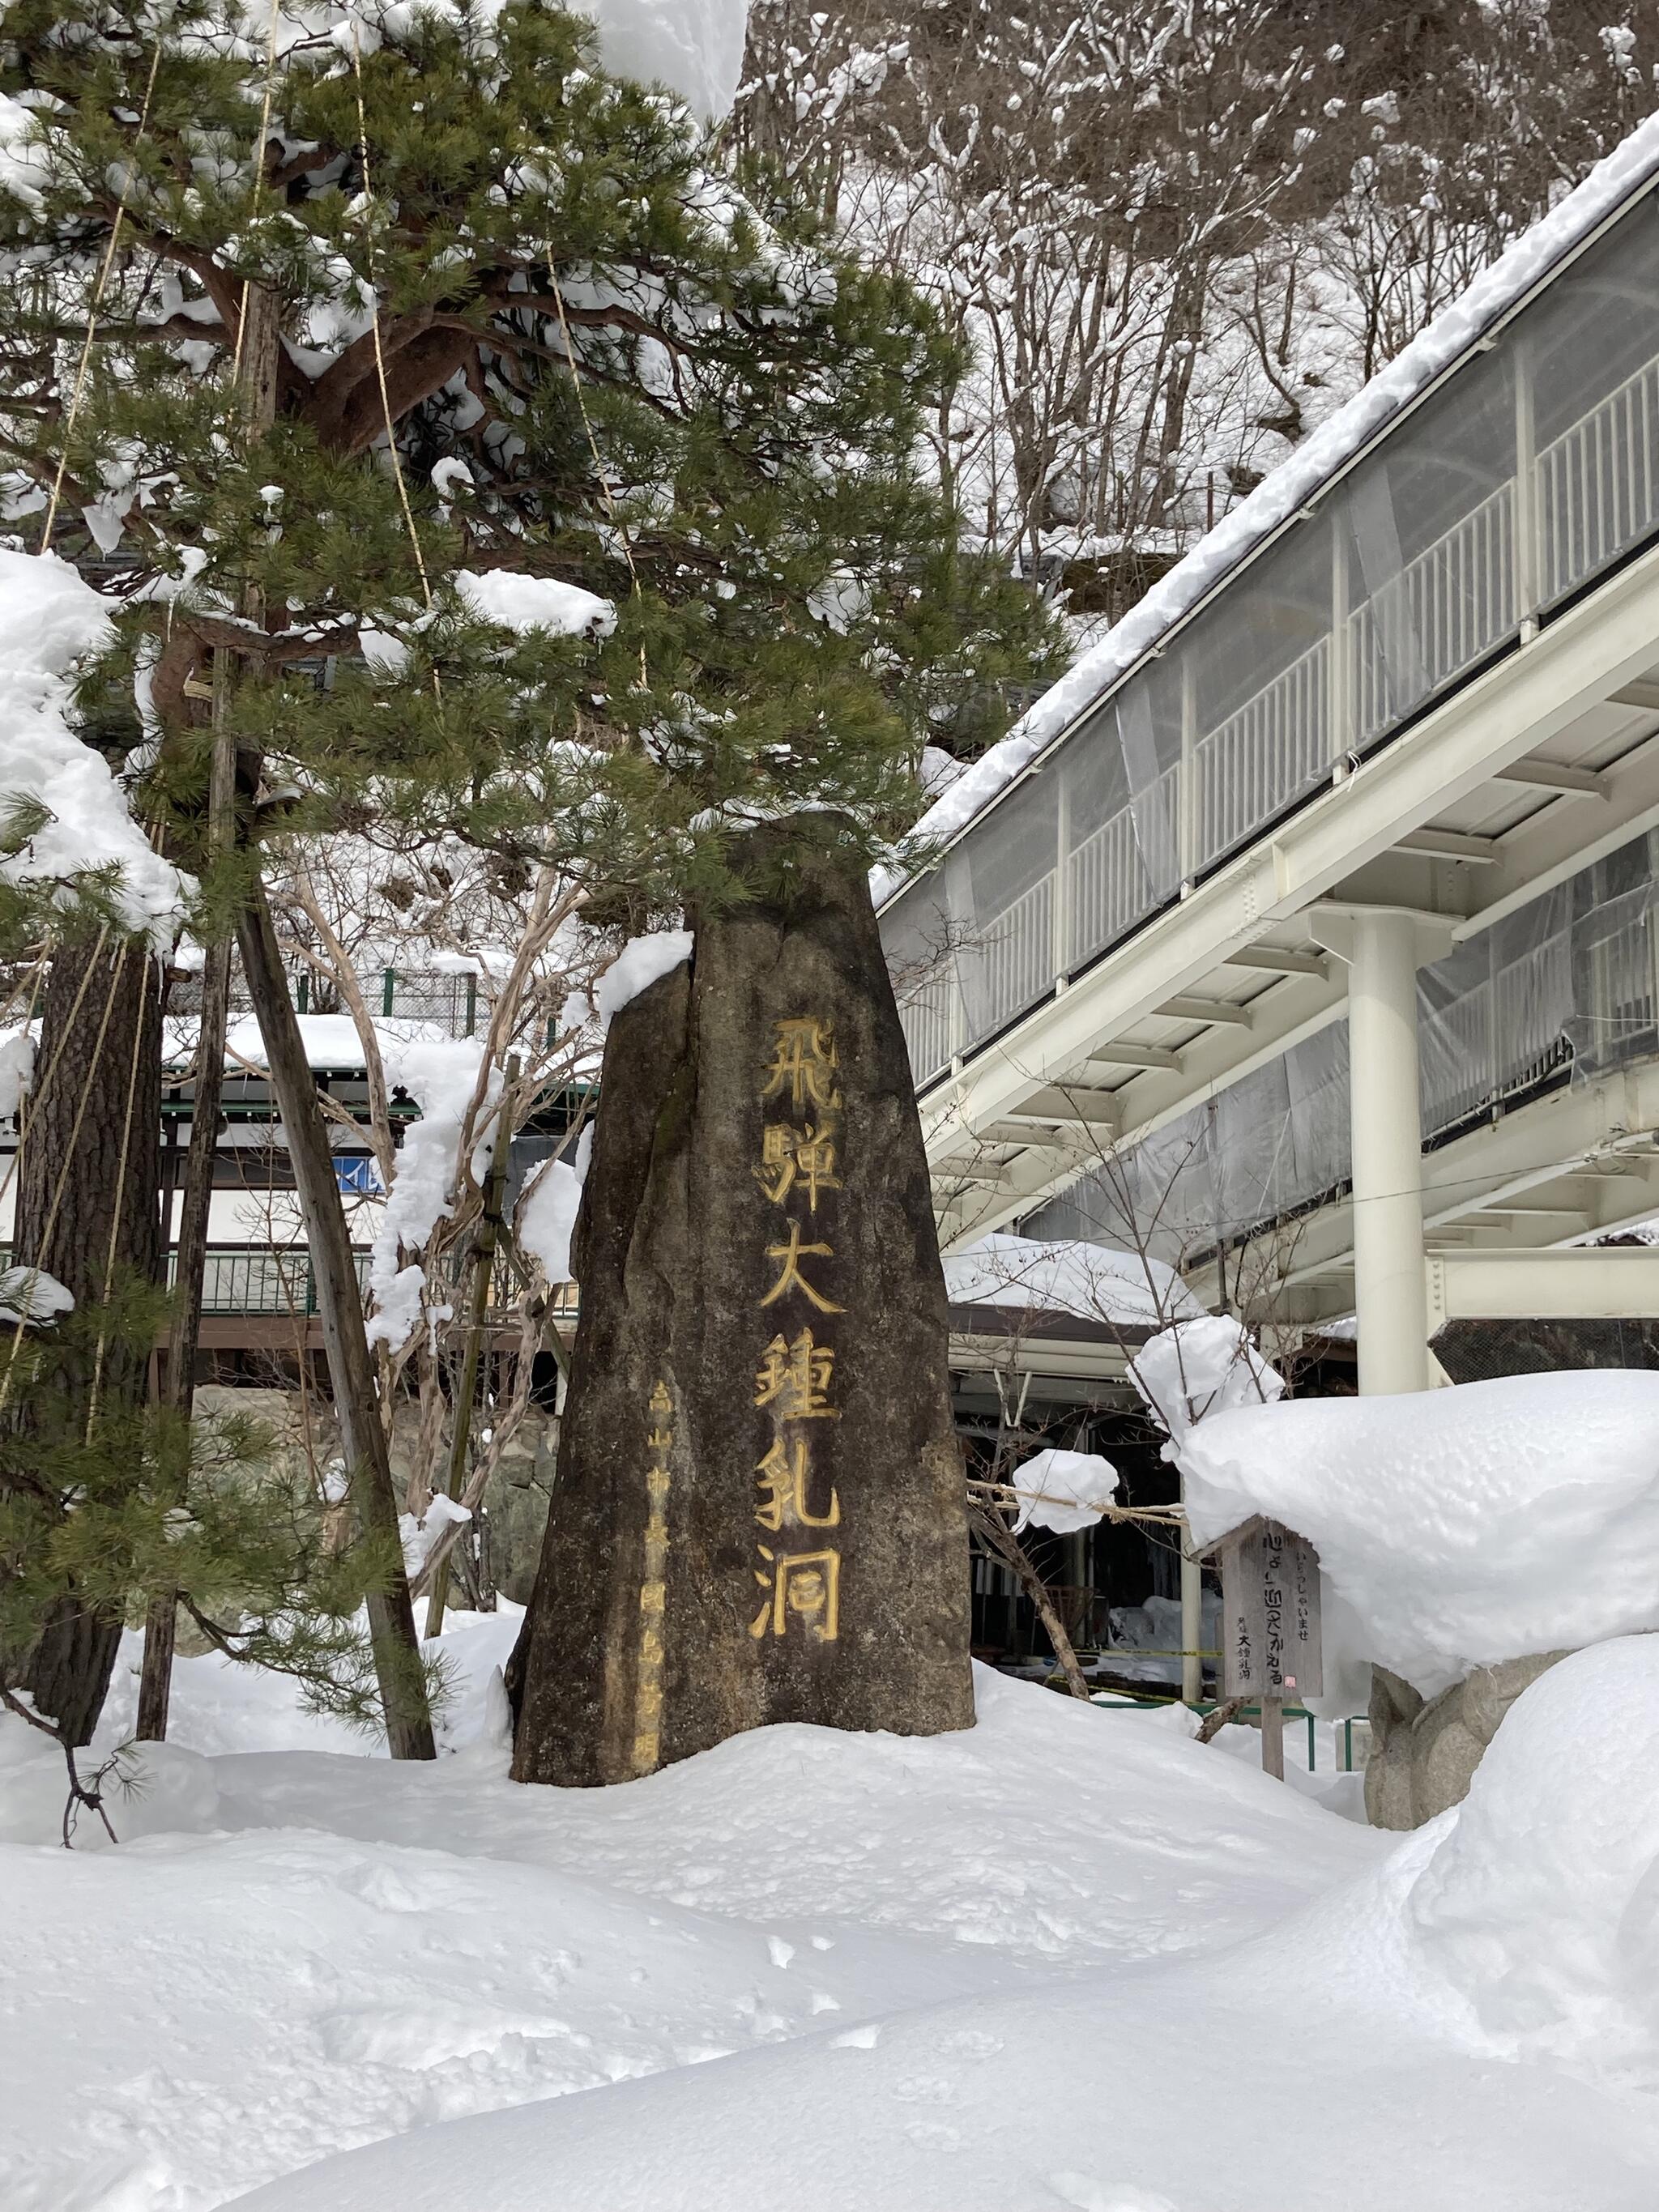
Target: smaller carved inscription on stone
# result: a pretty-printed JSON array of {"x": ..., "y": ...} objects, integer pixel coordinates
[{"x": 653, "y": 1587}]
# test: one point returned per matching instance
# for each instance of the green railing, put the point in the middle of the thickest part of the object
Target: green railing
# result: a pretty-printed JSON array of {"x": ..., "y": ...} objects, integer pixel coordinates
[{"x": 1344, "y": 1761}]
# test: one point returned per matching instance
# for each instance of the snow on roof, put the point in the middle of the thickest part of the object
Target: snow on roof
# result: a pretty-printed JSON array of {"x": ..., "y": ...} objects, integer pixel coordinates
[
  {"x": 1066, "y": 1275},
  {"x": 1463, "y": 1527},
  {"x": 1626, "y": 170}
]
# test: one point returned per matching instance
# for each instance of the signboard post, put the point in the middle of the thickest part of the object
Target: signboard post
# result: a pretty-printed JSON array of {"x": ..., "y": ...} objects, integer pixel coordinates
[{"x": 1271, "y": 1653}]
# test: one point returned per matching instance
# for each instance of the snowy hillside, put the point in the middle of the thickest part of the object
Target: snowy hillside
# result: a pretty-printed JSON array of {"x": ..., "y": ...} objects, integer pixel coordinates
[{"x": 1010, "y": 1969}]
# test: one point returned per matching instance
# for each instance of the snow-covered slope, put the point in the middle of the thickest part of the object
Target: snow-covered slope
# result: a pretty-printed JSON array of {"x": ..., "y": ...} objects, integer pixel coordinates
[
  {"x": 1429, "y": 2036},
  {"x": 294, "y": 1952}
]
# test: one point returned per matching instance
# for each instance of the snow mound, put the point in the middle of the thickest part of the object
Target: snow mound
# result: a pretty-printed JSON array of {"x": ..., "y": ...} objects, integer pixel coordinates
[
  {"x": 1063, "y": 1490},
  {"x": 1463, "y": 1527},
  {"x": 1471, "y": 2016},
  {"x": 1066, "y": 1275},
  {"x": 1198, "y": 1368},
  {"x": 1540, "y": 1904},
  {"x": 50, "y": 619},
  {"x": 291, "y": 1953}
]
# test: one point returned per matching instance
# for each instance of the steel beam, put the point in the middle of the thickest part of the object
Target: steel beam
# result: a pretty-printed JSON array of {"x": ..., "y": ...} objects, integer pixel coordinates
[
  {"x": 1219, "y": 1013},
  {"x": 1582, "y": 1282}
]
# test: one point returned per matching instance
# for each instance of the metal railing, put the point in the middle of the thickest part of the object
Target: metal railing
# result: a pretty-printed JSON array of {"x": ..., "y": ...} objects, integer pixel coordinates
[
  {"x": 458, "y": 1004},
  {"x": 1441, "y": 615},
  {"x": 1598, "y": 484},
  {"x": 263, "y": 1280},
  {"x": 1107, "y": 887},
  {"x": 1275, "y": 747}
]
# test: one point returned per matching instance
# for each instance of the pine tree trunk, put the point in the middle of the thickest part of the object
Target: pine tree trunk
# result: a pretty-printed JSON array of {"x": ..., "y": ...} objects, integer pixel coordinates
[
  {"x": 340, "y": 1307},
  {"x": 88, "y": 1211}
]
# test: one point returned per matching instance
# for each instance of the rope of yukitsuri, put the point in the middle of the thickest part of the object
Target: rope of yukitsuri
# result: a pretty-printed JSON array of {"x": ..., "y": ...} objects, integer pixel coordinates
[
  {"x": 106, "y": 267},
  {"x": 374, "y": 328},
  {"x": 599, "y": 471},
  {"x": 261, "y": 147}
]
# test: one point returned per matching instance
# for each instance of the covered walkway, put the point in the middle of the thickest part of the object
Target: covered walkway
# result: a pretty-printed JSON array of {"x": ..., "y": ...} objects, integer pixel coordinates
[{"x": 1386, "y": 748}]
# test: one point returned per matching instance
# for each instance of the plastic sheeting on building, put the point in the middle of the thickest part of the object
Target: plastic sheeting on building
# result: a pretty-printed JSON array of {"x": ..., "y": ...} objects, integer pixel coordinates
[{"x": 1566, "y": 989}]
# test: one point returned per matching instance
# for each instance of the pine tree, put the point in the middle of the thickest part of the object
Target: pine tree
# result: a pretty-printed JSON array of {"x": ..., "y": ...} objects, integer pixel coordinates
[
  {"x": 90, "y": 1525},
  {"x": 520, "y": 321}
]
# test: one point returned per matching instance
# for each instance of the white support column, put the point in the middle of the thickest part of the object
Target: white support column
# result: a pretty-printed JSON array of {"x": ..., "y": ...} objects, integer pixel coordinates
[
  {"x": 1390, "y": 1292},
  {"x": 1384, "y": 947}
]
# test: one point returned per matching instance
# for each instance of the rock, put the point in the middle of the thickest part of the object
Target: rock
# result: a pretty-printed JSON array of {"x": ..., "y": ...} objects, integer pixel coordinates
[
  {"x": 515, "y": 1502},
  {"x": 759, "y": 1512},
  {"x": 1423, "y": 1756}
]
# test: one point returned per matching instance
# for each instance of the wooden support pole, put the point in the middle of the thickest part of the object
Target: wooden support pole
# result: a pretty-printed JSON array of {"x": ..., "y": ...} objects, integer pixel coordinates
[
  {"x": 258, "y": 355},
  {"x": 155, "y": 1678},
  {"x": 1273, "y": 1737}
]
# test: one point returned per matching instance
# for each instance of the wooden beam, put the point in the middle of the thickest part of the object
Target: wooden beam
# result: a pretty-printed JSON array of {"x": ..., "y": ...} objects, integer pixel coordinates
[
  {"x": 1134, "y": 1055},
  {"x": 1063, "y": 1102}
]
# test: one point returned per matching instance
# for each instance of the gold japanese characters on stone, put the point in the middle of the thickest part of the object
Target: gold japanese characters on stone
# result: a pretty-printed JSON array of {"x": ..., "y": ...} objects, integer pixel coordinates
[{"x": 799, "y": 1168}]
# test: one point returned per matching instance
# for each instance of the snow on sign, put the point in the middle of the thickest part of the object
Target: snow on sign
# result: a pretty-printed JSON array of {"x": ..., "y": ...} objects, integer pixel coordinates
[{"x": 1269, "y": 1613}]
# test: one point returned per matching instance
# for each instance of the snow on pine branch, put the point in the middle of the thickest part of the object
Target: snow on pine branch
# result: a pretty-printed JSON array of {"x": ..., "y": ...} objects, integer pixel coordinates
[
  {"x": 58, "y": 788},
  {"x": 694, "y": 47}
]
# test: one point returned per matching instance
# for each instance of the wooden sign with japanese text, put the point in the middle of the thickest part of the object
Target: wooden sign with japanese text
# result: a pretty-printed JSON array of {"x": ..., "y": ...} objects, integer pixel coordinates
[{"x": 1270, "y": 1626}]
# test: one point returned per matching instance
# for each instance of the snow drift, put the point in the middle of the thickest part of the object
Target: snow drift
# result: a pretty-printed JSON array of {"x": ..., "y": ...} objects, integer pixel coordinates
[
  {"x": 1463, "y": 1527},
  {"x": 1541, "y": 1904},
  {"x": 1470, "y": 2020}
]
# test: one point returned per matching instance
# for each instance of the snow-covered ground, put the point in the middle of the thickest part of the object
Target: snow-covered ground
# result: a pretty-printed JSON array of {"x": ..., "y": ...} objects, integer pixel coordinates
[{"x": 1067, "y": 1959}]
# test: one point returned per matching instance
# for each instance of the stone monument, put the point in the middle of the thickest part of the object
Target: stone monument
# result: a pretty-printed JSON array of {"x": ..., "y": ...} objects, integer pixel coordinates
[{"x": 758, "y": 1513}]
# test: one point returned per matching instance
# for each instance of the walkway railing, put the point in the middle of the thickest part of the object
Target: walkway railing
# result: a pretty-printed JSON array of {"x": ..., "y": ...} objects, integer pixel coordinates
[{"x": 1531, "y": 471}]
